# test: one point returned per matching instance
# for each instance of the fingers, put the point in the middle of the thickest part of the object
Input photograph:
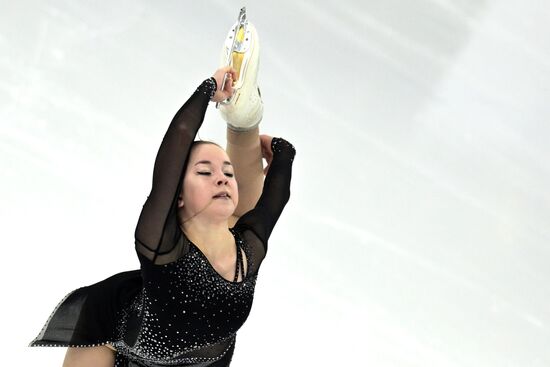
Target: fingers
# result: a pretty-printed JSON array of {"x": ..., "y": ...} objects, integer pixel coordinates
[
  {"x": 230, "y": 70},
  {"x": 267, "y": 153},
  {"x": 224, "y": 91},
  {"x": 266, "y": 139},
  {"x": 229, "y": 74},
  {"x": 221, "y": 73},
  {"x": 228, "y": 87},
  {"x": 265, "y": 142},
  {"x": 266, "y": 169}
]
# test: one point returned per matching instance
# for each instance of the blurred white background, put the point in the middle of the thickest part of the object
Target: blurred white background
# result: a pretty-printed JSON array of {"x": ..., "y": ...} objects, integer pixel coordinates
[{"x": 419, "y": 223}]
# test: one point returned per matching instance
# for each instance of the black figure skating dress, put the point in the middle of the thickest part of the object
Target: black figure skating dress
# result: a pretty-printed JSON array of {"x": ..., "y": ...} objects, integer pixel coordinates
[{"x": 176, "y": 310}]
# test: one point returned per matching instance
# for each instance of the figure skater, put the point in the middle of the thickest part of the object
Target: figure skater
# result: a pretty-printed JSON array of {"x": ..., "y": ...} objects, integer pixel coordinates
[{"x": 200, "y": 238}]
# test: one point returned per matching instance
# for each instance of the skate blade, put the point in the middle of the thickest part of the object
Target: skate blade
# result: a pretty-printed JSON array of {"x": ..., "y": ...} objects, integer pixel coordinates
[
  {"x": 237, "y": 43},
  {"x": 239, "y": 58}
]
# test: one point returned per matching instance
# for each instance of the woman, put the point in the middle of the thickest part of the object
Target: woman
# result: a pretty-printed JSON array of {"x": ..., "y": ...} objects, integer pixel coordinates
[{"x": 199, "y": 249}]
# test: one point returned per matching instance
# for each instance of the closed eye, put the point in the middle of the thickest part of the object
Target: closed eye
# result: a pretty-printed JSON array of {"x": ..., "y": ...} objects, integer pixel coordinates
[{"x": 209, "y": 173}]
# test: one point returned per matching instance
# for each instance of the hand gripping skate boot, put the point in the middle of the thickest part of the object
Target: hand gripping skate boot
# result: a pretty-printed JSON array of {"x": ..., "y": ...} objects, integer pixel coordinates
[{"x": 241, "y": 50}]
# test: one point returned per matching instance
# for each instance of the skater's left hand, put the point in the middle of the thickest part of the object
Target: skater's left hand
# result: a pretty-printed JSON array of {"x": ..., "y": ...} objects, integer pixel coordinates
[
  {"x": 227, "y": 91},
  {"x": 267, "y": 153}
]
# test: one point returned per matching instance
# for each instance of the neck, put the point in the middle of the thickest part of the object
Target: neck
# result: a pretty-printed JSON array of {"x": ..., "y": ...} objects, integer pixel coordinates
[{"x": 210, "y": 237}]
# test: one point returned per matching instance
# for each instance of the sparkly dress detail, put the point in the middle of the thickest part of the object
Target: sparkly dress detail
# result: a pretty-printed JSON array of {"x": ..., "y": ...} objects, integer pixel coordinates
[{"x": 176, "y": 310}]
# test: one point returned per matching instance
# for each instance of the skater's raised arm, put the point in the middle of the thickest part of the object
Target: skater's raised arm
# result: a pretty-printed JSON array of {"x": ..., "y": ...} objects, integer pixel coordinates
[
  {"x": 279, "y": 154},
  {"x": 157, "y": 231}
]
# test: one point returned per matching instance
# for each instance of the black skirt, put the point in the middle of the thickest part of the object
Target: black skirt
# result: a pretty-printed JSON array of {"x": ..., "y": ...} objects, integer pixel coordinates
[{"x": 88, "y": 317}]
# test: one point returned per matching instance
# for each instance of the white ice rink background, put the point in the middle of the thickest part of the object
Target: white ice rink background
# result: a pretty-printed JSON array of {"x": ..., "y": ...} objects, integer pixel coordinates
[{"x": 418, "y": 228}]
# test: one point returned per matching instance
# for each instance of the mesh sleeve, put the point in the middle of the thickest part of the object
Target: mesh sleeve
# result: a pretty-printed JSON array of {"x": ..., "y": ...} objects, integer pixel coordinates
[
  {"x": 158, "y": 236},
  {"x": 275, "y": 194}
]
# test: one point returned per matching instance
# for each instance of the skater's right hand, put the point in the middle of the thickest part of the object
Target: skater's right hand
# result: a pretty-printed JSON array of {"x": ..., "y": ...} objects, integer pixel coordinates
[
  {"x": 227, "y": 91},
  {"x": 267, "y": 153}
]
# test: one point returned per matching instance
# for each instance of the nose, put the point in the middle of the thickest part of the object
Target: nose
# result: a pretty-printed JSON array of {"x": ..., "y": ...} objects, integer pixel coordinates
[{"x": 222, "y": 180}]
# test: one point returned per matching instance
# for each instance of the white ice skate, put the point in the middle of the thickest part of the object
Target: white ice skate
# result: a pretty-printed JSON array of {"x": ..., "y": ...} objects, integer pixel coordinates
[{"x": 241, "y": 50}]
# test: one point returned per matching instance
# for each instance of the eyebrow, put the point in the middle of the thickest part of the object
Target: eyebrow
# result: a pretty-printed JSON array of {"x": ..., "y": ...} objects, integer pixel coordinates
[{"x": 225, "y": 163}]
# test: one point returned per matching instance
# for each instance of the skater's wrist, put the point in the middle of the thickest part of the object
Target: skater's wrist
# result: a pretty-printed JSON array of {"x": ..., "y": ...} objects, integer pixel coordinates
[
  {"x": 281, "y": 147},
  {"x": 208, "y": 87}
]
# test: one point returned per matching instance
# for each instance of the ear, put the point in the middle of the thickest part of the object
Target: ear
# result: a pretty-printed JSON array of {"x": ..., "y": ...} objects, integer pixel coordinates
[{"x": 180, "y": 202}]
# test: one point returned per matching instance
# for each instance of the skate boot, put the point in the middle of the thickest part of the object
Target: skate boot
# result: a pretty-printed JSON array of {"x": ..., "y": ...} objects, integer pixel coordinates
[{"x": 241, "y": 50}]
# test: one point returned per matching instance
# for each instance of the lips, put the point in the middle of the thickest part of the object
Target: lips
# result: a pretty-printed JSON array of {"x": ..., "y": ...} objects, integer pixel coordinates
[{"x": 222, "y": 194}]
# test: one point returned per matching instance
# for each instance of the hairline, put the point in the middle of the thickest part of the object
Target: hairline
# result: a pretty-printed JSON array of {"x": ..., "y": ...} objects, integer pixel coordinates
[{"x": 196, "y": 143}]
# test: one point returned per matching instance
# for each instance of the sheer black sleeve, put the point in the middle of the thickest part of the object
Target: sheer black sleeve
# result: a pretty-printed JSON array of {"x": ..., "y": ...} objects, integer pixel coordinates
[
  {"x": 275, "y": 193},
  {"x": 157, "y": 232}
]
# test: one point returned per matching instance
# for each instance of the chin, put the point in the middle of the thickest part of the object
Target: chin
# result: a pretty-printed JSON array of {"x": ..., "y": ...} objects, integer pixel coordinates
[{"x": 222, "y": 213}]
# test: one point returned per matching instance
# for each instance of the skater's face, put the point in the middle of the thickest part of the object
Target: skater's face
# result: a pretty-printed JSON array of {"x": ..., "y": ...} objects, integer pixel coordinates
[{"x": 209, "y": 186}]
